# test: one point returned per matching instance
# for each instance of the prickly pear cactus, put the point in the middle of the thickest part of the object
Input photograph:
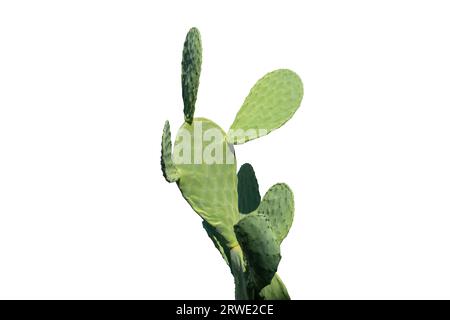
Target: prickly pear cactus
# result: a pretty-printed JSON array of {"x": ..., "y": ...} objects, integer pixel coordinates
[{"x": 246, "y": 230}]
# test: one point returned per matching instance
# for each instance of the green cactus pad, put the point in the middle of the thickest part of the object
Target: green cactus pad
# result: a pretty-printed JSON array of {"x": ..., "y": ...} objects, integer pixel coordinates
[
  {"x": 190, "y": 72},
  {"x": 208, "y": 180},
  {"x": 278, "y": 206},
  {"x": 271, "y": 102},
  {"x": 248, "y": 189},
  {"x": 260, "y": 248},
  {"x": 275, "y": 290},
  {"x": 168, "y": 168}
]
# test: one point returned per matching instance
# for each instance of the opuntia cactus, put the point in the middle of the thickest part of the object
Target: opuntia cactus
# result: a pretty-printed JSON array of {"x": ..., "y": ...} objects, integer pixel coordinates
[{"x": 246, "y": 230}]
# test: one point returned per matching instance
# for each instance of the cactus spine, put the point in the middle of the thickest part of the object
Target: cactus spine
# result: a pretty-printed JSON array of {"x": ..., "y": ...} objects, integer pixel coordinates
[{"x": 246, "y": 230}]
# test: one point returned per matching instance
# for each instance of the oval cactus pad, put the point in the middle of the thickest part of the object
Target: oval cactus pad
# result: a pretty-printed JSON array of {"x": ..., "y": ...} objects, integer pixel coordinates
[
  {"x": 278, "y": 206},
  {"x": 248, "y": 189},
  {"x": 260, "y": 247},
  {"x": 191, "y": 66},
  {"x": 271, "y": 102},
  {"x": 207, "y": 168}
]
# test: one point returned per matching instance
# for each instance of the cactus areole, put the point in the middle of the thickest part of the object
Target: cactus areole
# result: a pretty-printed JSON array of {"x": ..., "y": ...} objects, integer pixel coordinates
[{"x": 245, "y": 229}]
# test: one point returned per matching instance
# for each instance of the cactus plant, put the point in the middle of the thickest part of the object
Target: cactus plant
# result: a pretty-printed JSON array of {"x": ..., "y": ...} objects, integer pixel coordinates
[{"x": 246, "y": 230}]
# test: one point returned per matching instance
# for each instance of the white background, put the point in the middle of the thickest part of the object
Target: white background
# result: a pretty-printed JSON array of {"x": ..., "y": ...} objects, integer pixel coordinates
[{"x": 85, "y": 88}]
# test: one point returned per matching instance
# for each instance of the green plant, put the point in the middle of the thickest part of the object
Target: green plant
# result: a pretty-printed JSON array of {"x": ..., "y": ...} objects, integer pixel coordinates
[{"x": 246, "y": 230}]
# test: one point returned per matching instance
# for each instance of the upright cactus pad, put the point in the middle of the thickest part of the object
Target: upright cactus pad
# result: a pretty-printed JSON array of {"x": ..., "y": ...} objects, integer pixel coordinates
[
  {"x": 191, "y": 66},
  {"x": 167, "y": 166},
  {"x": 261, "y": 248},
  {"x": 246, "y": 230},
  {"x": 248, "y": 189},
  {"x": 278, "y": 206},
  {"x": 210, "y": 188}
]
